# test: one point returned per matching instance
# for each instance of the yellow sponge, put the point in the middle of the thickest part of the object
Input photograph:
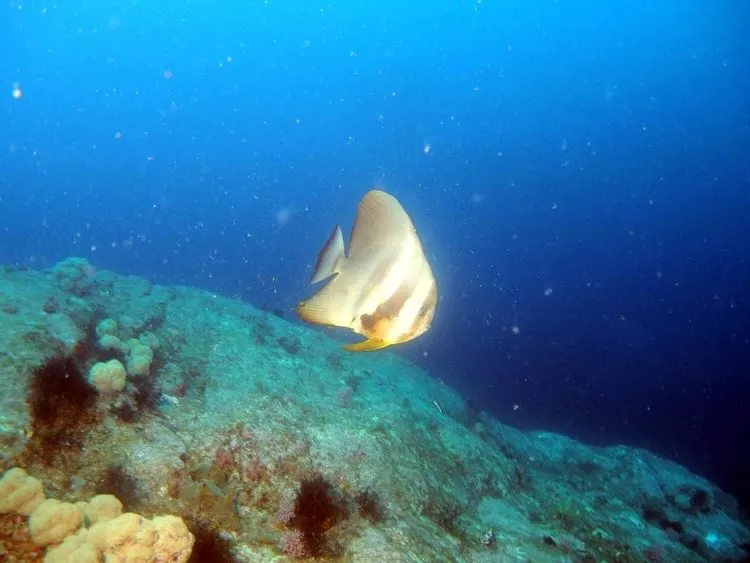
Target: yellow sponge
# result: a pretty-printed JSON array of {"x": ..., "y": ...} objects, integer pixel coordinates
[
  {"x": 89, "y": 532},
  {"x": 108, "y": 377},
  {"x": 131, "y": 537},
  {"x": 53, "y": 521},
  {"x": 101, "y": 508},
  {"x": 139, "y": 360},
  {"x": 174, "y": 542},
  {"x": 19, "y": 492},
  {"x": 75, "y": 549}
]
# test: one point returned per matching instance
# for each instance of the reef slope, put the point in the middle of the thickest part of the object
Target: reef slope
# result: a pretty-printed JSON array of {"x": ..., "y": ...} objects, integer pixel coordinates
[{"x": 273, "y": 444}]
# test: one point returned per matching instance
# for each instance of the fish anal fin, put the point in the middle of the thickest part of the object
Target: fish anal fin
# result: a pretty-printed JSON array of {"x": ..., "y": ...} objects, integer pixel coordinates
[
  {"x": 369, "y": 345},
  {"x": 330, "y": 256}
]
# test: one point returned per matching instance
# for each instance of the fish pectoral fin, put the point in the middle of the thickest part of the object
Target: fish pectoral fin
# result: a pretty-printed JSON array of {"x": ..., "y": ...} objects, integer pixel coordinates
[
  {"x": 369, "y": 345},
  {"x": 330, "y": 258},
  {"x": 314, "y": 313}
]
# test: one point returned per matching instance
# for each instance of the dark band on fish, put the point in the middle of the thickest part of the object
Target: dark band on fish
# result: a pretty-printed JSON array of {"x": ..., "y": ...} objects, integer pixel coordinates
[
  {"x": 389, "y": 309},
  {"x": 427, "y": 305}
]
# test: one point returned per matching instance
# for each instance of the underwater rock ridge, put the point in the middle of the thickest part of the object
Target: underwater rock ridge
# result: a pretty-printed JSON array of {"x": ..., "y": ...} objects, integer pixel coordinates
[{"x": 267, "y": 442}]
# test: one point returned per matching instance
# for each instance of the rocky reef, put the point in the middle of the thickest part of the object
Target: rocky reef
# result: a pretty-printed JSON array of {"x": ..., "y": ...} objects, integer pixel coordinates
[{"x": 271, "y": 444}]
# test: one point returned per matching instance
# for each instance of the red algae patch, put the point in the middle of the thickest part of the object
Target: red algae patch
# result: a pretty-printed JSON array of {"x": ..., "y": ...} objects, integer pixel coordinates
[{"x": 15, "y": 541}]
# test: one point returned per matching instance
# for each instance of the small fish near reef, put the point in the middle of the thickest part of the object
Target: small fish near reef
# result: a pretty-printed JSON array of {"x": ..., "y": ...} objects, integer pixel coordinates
[{"x": 384, "y": 289}]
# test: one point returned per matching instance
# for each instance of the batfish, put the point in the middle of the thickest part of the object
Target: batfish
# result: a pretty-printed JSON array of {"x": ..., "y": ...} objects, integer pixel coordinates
[{"x": 384, "y": 288}]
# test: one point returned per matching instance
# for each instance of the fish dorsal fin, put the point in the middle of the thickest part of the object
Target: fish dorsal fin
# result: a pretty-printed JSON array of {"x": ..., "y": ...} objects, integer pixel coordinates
[
  {"x": 380, "y": 218},
  {"x": 330, "y": 256}
]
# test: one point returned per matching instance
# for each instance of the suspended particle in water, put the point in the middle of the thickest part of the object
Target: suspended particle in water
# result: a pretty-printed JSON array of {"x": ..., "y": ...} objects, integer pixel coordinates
[
  {"x": 283, "y": 216},
  {"x": 17, "y": 93}
]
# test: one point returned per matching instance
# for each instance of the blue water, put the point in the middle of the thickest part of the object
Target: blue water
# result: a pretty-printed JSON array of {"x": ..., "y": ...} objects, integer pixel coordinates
[{"x": 579, "y": 173}]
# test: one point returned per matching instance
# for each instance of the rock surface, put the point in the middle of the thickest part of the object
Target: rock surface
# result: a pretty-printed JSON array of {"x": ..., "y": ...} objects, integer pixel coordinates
[{"x": 273, "y": 444}]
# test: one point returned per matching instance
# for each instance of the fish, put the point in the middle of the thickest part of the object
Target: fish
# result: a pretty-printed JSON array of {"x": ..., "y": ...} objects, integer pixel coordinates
[{"x": 384, "y": 289}]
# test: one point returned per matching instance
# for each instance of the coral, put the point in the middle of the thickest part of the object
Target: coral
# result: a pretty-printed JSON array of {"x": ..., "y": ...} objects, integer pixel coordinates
[
  {"x": 106, "y": 327},
  {"x": 52, "y": 521},
  {"x": 108, "y": 377},
  {"x": 77, "y": 548},
  {"x": 174, "y": 541},
  {"x": 127, "y": 536},
  {"x": 139, "y": 360},
  {"x": 85, "y": 532},
  {"x": 19, "y": 492},
  {"x": 131, "y": 537},
  {"x": 101, "y": 508},
  {"x": 110, "y": 342}
]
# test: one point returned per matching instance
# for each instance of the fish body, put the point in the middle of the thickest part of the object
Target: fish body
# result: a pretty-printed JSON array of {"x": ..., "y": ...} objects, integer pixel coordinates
[{"x": 384, "y": 289}]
